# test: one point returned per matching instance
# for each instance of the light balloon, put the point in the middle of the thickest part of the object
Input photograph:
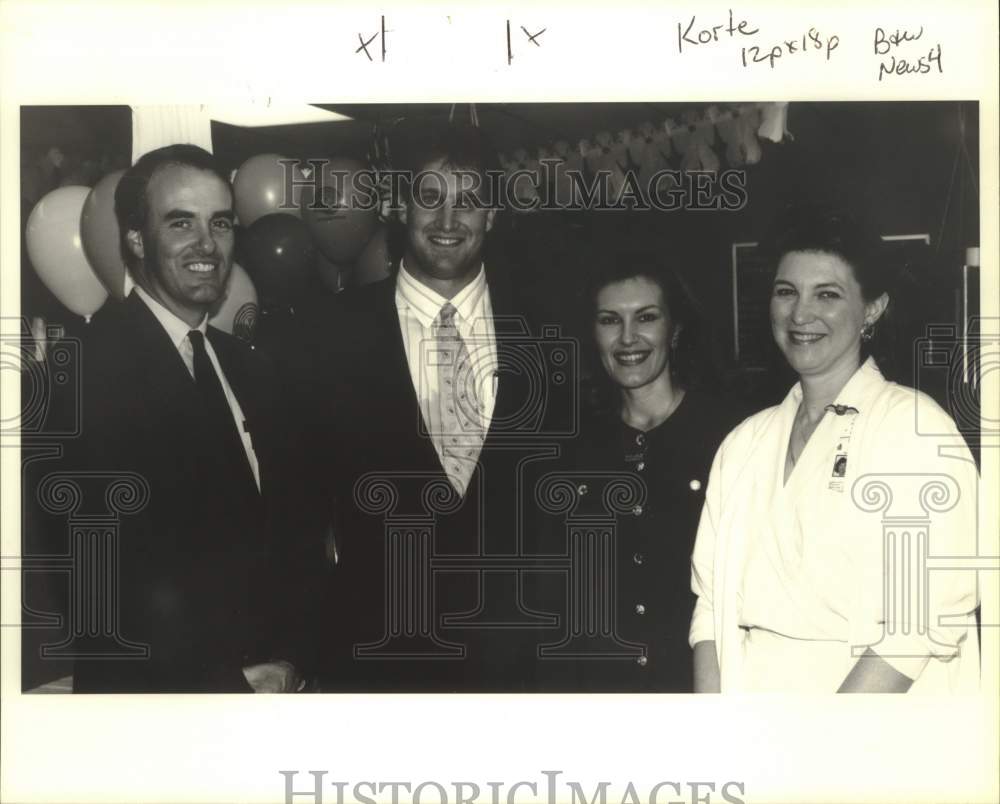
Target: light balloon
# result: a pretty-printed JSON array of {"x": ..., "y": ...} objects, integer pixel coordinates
[
  {"x": 236, "y": 312},
  {"x": 55, "y": 249},
  {"x": 259, "y": 189},
  {"x": 100, "y": 234}
]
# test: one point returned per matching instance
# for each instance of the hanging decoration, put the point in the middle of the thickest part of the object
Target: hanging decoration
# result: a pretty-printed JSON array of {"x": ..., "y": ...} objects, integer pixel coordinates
[{"x": 696, "y": 140}]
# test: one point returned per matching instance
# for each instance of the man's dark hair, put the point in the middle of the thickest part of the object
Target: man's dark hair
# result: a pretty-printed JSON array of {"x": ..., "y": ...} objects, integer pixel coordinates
[
  {"x": 131, "y": 201},
  {"x": 458, "y": 147},
  {"x": 415, "y": 146}
]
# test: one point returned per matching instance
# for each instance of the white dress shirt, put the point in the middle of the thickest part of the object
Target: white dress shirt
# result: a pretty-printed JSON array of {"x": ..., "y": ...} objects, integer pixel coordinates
[
  {"x": 178, "y": 331},
  {"x": 418, "y": 306}
]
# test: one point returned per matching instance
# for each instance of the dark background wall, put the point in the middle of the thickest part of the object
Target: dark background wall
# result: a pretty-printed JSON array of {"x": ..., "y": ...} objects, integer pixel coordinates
[{"x": 907, "y": 167}]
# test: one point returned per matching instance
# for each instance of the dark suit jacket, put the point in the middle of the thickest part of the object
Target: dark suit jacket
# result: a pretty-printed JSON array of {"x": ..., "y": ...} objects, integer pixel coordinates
[
  {"x": 199, "y": 582},
  {"x": 425, "y": 593}
]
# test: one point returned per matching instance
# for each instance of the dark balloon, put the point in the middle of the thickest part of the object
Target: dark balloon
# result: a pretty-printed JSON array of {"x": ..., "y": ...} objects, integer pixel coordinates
[
  {"x": 373, "y": 263},
  {"x": 334, "y": 276},
  {"x": 279, "y": 256},
  {"x": 343, "y": 218}
]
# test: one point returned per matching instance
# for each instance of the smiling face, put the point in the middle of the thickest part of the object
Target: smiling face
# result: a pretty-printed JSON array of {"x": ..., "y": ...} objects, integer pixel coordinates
[
  {"x": 632, "y": 329},
  {"x": 444, "y": 234},
  {"x": 186, "y": 245},
  {"x": 818, "y": 312}
]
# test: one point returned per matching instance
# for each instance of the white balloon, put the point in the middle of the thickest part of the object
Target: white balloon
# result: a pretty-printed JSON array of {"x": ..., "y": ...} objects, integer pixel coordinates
[
  {"x": 236, "y": 312},
  {"x": 55, "y": 249}
]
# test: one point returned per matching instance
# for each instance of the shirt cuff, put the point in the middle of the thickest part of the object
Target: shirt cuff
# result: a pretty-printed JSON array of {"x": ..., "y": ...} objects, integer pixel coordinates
[
  {"x": 907, "y": 653},
  {"x": 702, "y": 623}
]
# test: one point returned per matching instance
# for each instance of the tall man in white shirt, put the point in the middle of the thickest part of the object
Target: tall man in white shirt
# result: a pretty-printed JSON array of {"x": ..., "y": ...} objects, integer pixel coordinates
[
  {"x": 185, "y": 407},
  {"x": 421, "y": 438}
]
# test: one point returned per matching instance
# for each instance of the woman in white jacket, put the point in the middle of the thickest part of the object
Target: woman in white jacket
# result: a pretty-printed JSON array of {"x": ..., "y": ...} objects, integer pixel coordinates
[{"x": 829, "y": 552}]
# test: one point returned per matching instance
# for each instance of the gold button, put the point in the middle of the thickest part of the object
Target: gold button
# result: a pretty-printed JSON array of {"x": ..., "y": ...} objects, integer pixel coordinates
[
  {"x": 642, "y": 661},
  {"x": 640, "y": 609},
  {"x": 637, "y": 510}
]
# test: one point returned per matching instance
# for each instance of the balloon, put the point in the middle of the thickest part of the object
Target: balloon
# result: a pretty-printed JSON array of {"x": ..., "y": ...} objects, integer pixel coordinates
[
  {"x": 259, "y": 189},
  {"x": 99, "y": 232},
  {"x": 279, "y": 257},
  {"x": 334, "y": 275},
  {"x": 373, "y": 264},
  {"x": 349, "y": 215},
  {"x": 55, "y": 249},
  {"x": 236, "y": 312}
]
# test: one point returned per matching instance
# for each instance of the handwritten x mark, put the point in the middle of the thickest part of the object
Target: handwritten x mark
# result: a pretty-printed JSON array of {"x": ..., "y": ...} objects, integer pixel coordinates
[
  {"x": 364, "y": 45},
  {"x": 533, "y": 37}
]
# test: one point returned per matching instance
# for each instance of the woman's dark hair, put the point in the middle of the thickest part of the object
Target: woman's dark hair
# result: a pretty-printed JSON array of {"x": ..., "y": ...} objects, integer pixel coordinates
[
  {"x": 828, "y": 230},
  {"x": 690, "y": 362}
]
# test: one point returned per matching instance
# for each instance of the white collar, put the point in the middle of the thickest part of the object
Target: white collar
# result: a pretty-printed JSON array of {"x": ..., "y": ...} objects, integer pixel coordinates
[
  {"x": 176, "y": 328},
  {"x": 426, "y": 303},
  {"x": 856, "y": 393}
]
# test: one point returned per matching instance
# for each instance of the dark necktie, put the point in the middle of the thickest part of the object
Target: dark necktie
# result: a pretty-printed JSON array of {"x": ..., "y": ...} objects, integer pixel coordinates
[{"x": 217, "y": 407}]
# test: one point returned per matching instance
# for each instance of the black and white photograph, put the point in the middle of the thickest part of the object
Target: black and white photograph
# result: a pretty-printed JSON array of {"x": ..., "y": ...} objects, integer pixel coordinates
[{"x": 520, "y": 413}]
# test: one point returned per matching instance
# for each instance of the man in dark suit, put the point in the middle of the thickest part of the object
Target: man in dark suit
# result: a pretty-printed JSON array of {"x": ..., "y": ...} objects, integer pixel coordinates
[
  {"x": 433, "y": 400},
  {"x": 185, "y": 408}
]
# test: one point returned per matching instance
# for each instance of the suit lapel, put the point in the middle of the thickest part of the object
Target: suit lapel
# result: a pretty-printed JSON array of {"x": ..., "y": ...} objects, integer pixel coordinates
[
  {"x": 508, "y": 327},
  {"x": 159, "y": 363},
  {"x": 390, "y": 358}
]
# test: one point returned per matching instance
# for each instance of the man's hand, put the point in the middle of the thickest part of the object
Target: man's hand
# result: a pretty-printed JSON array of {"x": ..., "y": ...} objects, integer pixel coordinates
[{"x": 273, "y": 677}]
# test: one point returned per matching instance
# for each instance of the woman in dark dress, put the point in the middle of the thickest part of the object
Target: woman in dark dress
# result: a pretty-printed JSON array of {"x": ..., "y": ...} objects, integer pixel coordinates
[{"x": 652, "y": 424}]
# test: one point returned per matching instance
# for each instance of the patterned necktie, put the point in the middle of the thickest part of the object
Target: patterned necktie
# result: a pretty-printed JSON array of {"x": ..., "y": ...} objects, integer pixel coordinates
[
  {"x": 460, "y": 414},
  {"x": 217, "y": 407}
]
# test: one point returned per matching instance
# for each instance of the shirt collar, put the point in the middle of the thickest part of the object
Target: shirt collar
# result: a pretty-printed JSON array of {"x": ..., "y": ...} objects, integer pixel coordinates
[
  {"x": 175, "y": 327},
  {"x": 425, "y": 303},
  {"x": 858, "y": 391}
]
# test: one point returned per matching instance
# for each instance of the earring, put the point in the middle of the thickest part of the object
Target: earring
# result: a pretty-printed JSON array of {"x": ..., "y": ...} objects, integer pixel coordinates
[{"x": 867, "y": 331}]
